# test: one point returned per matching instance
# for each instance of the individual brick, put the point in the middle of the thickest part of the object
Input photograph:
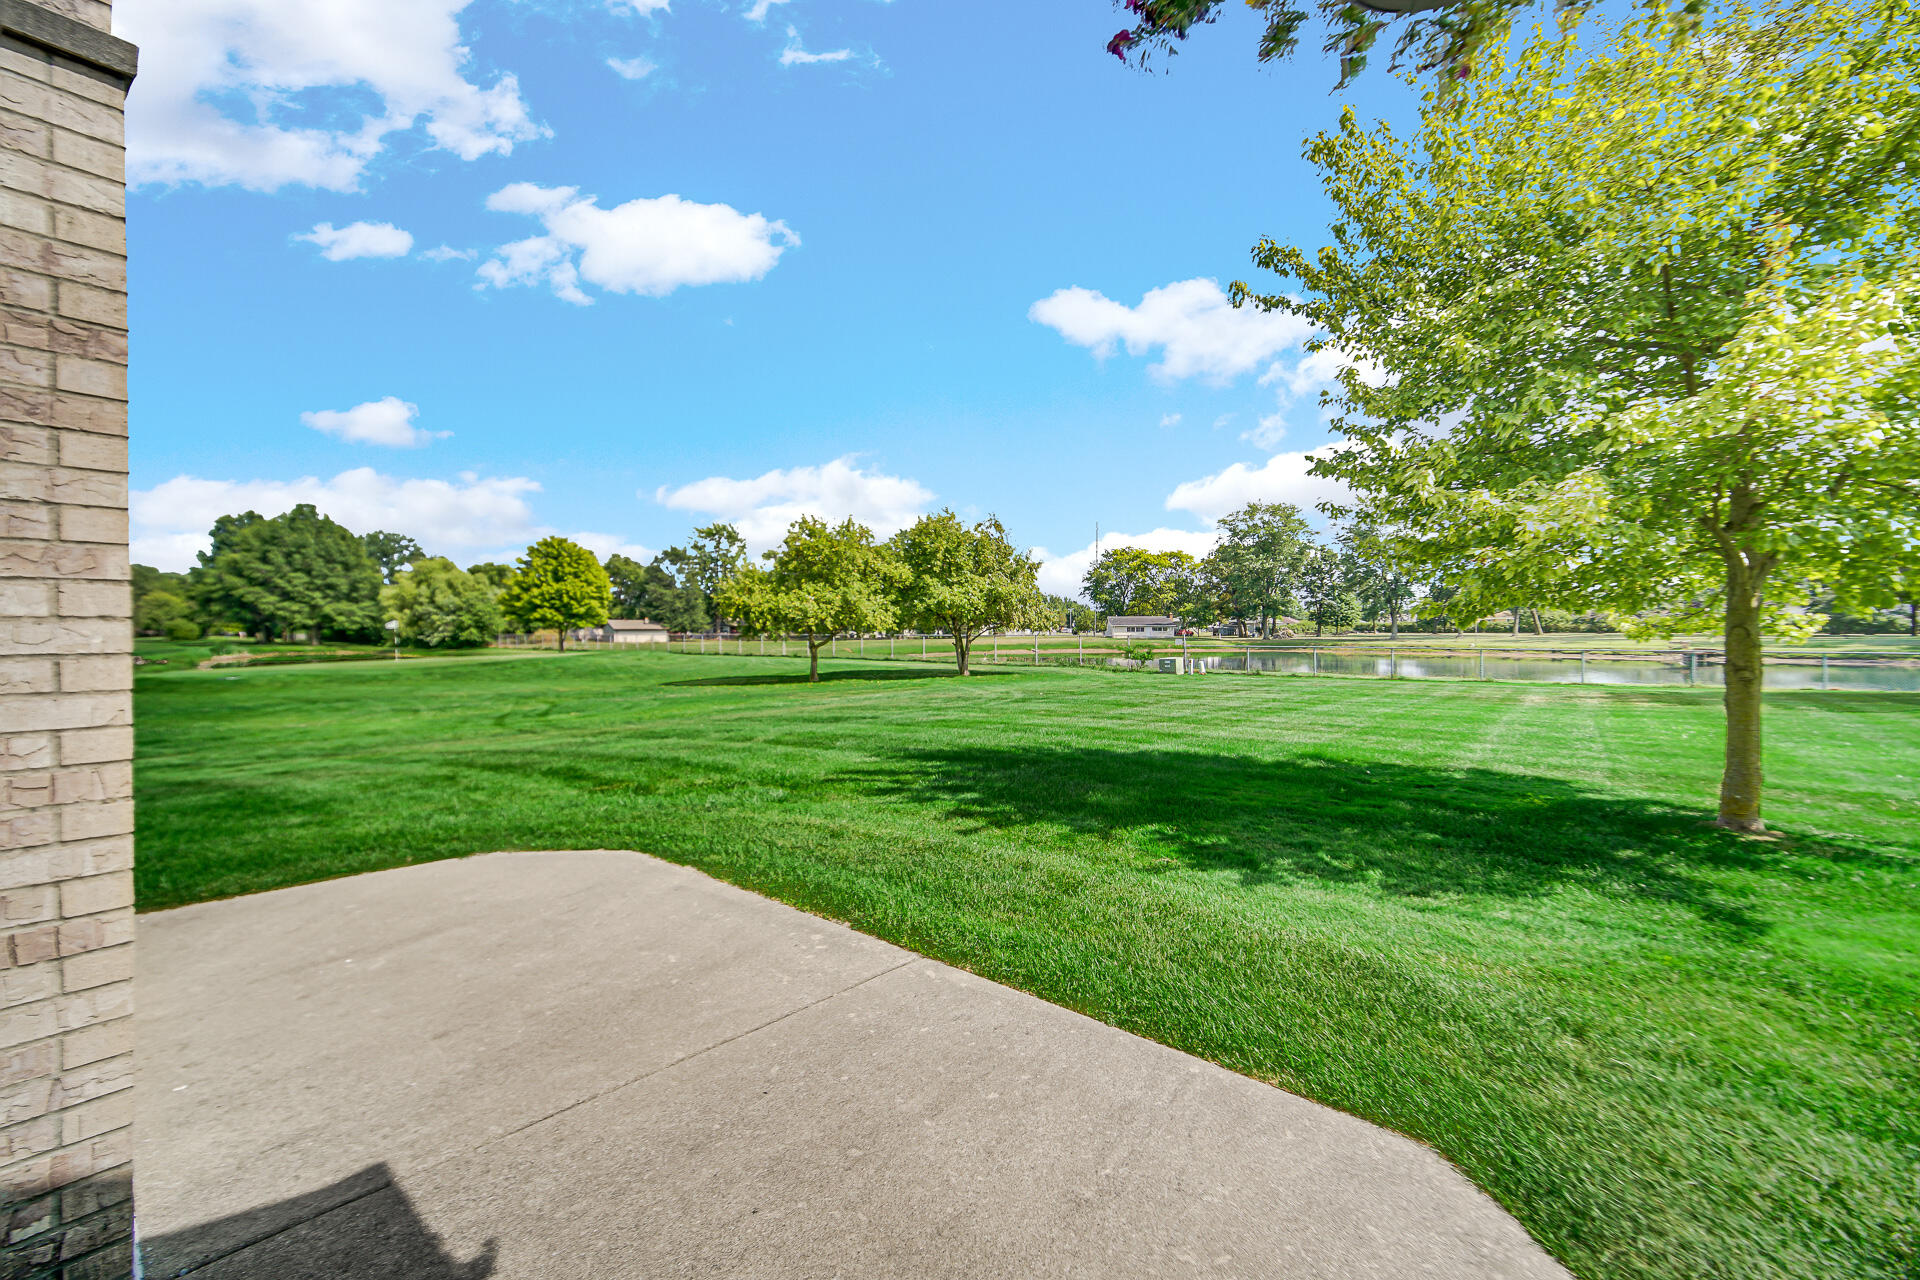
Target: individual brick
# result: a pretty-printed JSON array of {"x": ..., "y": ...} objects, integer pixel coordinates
[
  {"x": 96, "y": 673},
  {"x": 108, "y": 929},
  {"x": 93, "y": 524},
  {"x": 92, "y": 969},
  {"x": 27, "y": 675},
  {"x": 28, "y": 1062},
  {"x": 93, "y": 452},
  {"x": 89, "y": 302},
  {"x": 29, "y": 445},
  {"x": 95, "y": 600},
  {"x": 92, "y": 1044},
  {"x": 26, "y": 751},
  {"x": 24, "y": 519},
  {"x": 110, "y": 743},
  {"x": 89, "y": 377},
  {"x": 91, "y": 1119},
  {"x": 91, "y": 894}
]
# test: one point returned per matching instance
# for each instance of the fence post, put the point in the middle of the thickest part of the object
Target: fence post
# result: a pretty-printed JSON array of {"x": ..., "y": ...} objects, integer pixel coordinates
[
  {"x": 1583, "y": 666},
  {"x": 1393, "y": 666},
  {"x": 1823, "y": 672},
  {"x": 1315, "y": 670},
  {"x": 1483, "y": 664},
  {"x": 1080, "y": 651},
  {"x": 996, "y": 647},
  {"x": 1249, "y": 659},
  {"x": 1693, "y": 667},
  {"x": 1036, "y": 648}
]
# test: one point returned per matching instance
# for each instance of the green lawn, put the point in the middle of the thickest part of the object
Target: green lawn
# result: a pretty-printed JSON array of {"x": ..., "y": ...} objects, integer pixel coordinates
[{"x": 1488, "y": 916}]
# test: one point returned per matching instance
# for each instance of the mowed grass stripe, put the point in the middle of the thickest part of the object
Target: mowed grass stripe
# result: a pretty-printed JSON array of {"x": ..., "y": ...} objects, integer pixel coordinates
[{"x": 1489, "y": 916}]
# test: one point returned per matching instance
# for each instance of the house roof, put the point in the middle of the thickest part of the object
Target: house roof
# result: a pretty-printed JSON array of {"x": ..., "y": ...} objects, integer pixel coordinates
[
  {"x": 634, "y": 624},
  {"x": 1142, "y": 620}
]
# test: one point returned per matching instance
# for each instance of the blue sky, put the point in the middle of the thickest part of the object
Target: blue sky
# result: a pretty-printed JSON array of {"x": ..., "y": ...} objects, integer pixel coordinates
[{"x": 415, "y": 261}]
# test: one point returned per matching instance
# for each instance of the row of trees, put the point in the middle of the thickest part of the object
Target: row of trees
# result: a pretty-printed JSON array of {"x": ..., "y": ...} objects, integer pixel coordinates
[
  {"x": 939, "y": 574},
  {"x": 1267, "y": 565}
]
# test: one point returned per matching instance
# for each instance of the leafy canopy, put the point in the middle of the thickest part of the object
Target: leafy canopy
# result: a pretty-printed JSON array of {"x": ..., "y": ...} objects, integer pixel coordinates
[
  {"x": 1258, "y": 563},
  {"x": 295, "y": 572},
  {"x": 966, "y": 580},
  {"x": 822, "y": 580},
  {"x": 439, "y": 607},
  {"x": 559, "y": 586},
  {"x": 1134, "y": 580}
]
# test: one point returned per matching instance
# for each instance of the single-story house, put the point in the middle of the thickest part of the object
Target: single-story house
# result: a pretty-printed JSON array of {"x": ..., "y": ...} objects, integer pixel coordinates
[
  {"x": 1130, "y": 627},
  {"x": 631, "y": 631}
]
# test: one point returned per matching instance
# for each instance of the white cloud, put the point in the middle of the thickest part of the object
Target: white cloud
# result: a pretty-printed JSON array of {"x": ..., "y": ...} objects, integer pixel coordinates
[
  {"x": 632, "y": 68},
  {"x": 1169, "y": 419},
  {"x": 757, "y": 12},
  {"x": 762, "y": 508},
  {"x": 1307, "y": 376},
  {"x": 270, "y": 93},
  {"x": 1061, "y": 575},
  {"x": 647, "y": 246},
  {"x": 388, "y": 422},
  {"x": 611, "y": 544},
  {"x": 1268, "y": 432},
  {"x": 170, "y": 521},
  {"x": 447, "y": 253},
  {"x": 1198, "y": 331},
  {"x": 359, "y": 240},
  {"x": 796, "y": 56},
  {"x": 639, "y": 8},
  {"x": 1282, "y": 478}
]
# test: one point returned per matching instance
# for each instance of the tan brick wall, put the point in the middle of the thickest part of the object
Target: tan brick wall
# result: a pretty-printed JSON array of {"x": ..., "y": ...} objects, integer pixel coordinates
[{"x": 66, "y": 741}]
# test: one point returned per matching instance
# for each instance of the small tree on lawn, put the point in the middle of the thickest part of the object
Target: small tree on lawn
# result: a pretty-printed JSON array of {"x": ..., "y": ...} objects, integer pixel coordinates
[
  {"x": 1665, "y": 300},
  {"x": 559, "y": 585},
  {"x": 821, "y": 581},
  {"x": 966, "y": 580}
]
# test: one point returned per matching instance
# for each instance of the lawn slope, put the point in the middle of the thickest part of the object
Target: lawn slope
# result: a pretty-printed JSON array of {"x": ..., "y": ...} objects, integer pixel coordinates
[{"x": 1488, "y": 916}]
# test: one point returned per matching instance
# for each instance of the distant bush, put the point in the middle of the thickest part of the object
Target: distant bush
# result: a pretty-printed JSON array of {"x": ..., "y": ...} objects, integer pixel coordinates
[{"x": 183, "y": 629}]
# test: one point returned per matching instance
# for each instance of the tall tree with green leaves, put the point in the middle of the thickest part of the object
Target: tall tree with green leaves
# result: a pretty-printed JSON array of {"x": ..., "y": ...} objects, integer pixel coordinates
[
  {"x": 1375, "y": 573},
  {"x": 649, "y": 591},
  {"x": 1134, "y": 580},
  {"x": 559, "y": 586},
  {"x": 966, "y": 580},
  {"x": 493, "y": 573},
  {"x": 1258, "y": 562},
  {"x": 1664, "y": 298},
  {"x": 295, "y": 572},
  {"x": 391, "y": 551},
  {"x": 822, "y": 580},
  {"x": 715, "y": 553},
  {"x": 439, "y": 607},
  {"x": 1326, "y": 591}
]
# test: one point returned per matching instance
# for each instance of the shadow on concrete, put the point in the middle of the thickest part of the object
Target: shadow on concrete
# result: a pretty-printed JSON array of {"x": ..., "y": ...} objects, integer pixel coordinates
[
  {"x": 800, "y": 677},
  {"x": 1407, "y": 831},
  {"x": 362, "y": 1226}
]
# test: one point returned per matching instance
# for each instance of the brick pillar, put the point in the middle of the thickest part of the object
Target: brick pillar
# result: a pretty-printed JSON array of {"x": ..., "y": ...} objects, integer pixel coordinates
[{"x": 66, "y": 736}]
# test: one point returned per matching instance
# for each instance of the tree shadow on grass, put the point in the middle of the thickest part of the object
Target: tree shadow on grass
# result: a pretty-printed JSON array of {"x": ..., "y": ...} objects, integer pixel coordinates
[
  {"x": 864, "y": 674},
  {"x": 1408, "y": 832}
]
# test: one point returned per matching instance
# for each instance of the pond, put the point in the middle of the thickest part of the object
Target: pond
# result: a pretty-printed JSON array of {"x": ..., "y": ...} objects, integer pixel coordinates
[{"x": 1858, "y": 674}]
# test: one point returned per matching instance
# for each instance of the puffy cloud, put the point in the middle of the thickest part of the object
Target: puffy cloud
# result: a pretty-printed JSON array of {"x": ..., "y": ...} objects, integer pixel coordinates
[
  {"x": 762, "y": 508},
  {"x": 171, "y": 520},
  {"x": 646, "y": 246},
  {"x": 266, "y": 93},
  {"x": 387, "y": 421},
  {"x": 612, "y": 544},
  {"x": 1282, "y": 478},
  {"x": 1197, "y": 331},
  {"x": 757, "y": 11},
  {"x": 1061, "y": 575},
  {"x": 632, "y": 68},
  {"x": 447, "y": 253},
  {"x": 1169, "y": 419},
  {"x": 796, "y": 56},
  {"x": 638, "y": 8},
  {"x": 359, "y": 240},
  {"x": 1307, "y": 376}
]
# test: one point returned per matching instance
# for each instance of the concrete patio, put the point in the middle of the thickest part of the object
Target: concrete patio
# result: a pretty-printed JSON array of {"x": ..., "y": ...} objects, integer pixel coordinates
[{"x": 585, "y": 1065}]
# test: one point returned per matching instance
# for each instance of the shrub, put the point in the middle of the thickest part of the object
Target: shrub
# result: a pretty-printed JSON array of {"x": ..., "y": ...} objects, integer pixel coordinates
[{"x": 183, "y": 629}]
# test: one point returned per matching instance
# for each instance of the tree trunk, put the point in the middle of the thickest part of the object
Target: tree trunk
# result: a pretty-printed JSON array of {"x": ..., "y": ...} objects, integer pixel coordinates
[
  {"x": 1740, "y": 784},
  {"x": 1913, "y": 617},
  {"x": 563, "y": 639},
  {"x": 1516, "y": 622},
  {"x": 813, "y": 658},
  {"x": 1393, "y": 620},
  {"x": 1537, "y": 628},
  {"x": 961, "y": 652}
]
